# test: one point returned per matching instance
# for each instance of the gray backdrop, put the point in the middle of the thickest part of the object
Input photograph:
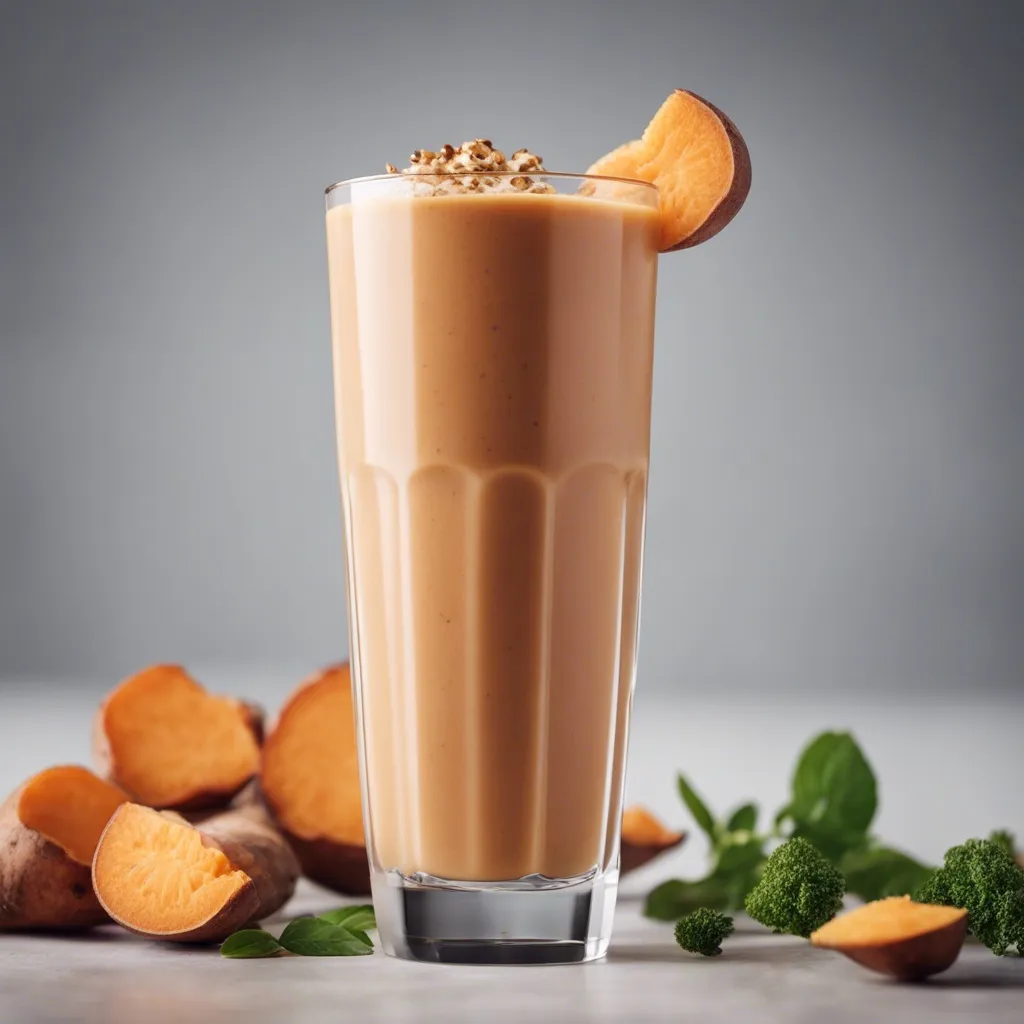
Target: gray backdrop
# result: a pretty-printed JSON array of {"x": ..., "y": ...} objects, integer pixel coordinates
[{"x": 837, "y": 496}]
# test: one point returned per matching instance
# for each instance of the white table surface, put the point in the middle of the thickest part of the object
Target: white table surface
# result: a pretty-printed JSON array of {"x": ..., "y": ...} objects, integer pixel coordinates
[{"x": 947, "y": 771}]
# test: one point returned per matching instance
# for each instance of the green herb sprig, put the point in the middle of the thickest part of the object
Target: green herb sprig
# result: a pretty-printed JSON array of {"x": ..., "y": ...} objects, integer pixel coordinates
[
  {"x": 341, "y": 932},
  {"x": 833, "y": 802},
  {"x": 313, "y": 936},
  {"x": 250, "y": 944}
]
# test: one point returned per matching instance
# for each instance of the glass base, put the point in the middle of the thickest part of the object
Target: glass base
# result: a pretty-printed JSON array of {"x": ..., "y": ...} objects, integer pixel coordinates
[{"x": 533, "y": 920}]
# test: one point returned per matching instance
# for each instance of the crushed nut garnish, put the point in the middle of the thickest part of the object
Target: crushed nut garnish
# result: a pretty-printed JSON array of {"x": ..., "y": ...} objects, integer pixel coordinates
[{"x": 473, "y": 167}]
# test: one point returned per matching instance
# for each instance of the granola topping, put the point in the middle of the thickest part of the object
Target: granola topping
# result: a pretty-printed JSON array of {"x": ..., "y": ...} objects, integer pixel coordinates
[{"x": 475, "y": 166}]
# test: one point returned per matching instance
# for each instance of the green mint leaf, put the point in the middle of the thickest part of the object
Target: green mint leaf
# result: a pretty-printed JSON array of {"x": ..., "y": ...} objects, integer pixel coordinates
[
  {"x": 250, "y": 944},
  {"x": 738, "y": 854},
  {"x": 359, "y": 918},
  {"x": 311, "y": 936},
  {"x": 743, "y": 819},
  {"x": 851, "y": 788},
  {"x": 873, "y": 873},
  {"x": 809, "y": 776},
  {"x": 835, "y": 794},
  {"x": 676, "y": 898},
  {"x": 698, "y": 809}
]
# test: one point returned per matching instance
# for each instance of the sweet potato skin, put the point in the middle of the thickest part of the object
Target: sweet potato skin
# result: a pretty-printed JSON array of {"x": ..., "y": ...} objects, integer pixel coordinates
[
  {"x": 41, "y": 887},
  {"x": 341, "y": 867},
  {"x": 912, "y": 959},
  {"x": 250, "y": 841},
  {"x": 256, "y": 719}
]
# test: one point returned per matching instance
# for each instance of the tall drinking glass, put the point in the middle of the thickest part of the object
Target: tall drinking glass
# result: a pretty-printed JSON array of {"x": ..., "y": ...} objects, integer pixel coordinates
[{"x": 492, "y": 361}]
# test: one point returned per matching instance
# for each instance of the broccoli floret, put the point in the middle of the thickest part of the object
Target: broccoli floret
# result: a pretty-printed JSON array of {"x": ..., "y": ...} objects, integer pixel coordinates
[
  {"x": 703, "y": 931},
  {"x": 1011, "y": 918},
  {"x": 982, "y": 878},
  {"x": 800, "y": 890},
  {"x": 1004, "y": 838}
]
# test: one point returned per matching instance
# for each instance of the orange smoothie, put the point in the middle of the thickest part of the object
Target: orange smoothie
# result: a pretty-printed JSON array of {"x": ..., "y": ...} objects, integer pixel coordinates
[{"x": 493, "y": 359}]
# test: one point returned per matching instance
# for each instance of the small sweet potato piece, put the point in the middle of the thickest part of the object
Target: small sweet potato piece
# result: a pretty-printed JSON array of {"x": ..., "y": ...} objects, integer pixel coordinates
[
  {"x": 309, "y": 776},
  {"x": 157, "y": 875},
  {"x": 699, "y": 162},
  {"x": 644, "y": 838},
  {"x": 896, "y": 936},
  {"x": 49, "y": 828},
  {"x": 169, "y": 744}
]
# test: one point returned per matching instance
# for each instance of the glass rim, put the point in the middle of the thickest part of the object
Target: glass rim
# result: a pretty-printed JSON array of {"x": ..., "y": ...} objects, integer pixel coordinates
[{"x": 389, "y": 176}]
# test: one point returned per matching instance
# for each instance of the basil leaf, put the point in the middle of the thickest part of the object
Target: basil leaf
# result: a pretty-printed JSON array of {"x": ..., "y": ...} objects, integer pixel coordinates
[
  {"x": 850, "y": 788},
  {"x": 743, "y": 819},
  {"x": 674, "y": 899},
  {"x": 738, "y": 855},
  {"x": 873, "y": 873},
  {"x": 835, "y": 794},
  {"x": 250, "y": 944},
  {"x": 361, "y": 936},
  {"x": 809, "y": 776},
  {"x": 311, "y": 936},
  {"x": 698, "y": 809},
  {"x": 359, "y": 918}
]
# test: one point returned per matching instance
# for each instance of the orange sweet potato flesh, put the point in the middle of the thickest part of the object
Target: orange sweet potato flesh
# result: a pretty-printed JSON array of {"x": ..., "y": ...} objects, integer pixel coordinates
[
  {"x": 157, "y": 875},
  {"x": 69, "y": 806},
  {"x": 644, "y": 838},
  {"x": 49, "y": 828},
  {"x": 698, "y": 160},
  {"x": 309, "y": 776},
  {"x": 908, "y": 941},
  {"x": 169, "y": 743}
]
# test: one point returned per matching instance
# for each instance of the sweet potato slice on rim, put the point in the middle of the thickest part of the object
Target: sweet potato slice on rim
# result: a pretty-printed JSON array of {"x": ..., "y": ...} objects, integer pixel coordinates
[{"x": 698, "y": 160}]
